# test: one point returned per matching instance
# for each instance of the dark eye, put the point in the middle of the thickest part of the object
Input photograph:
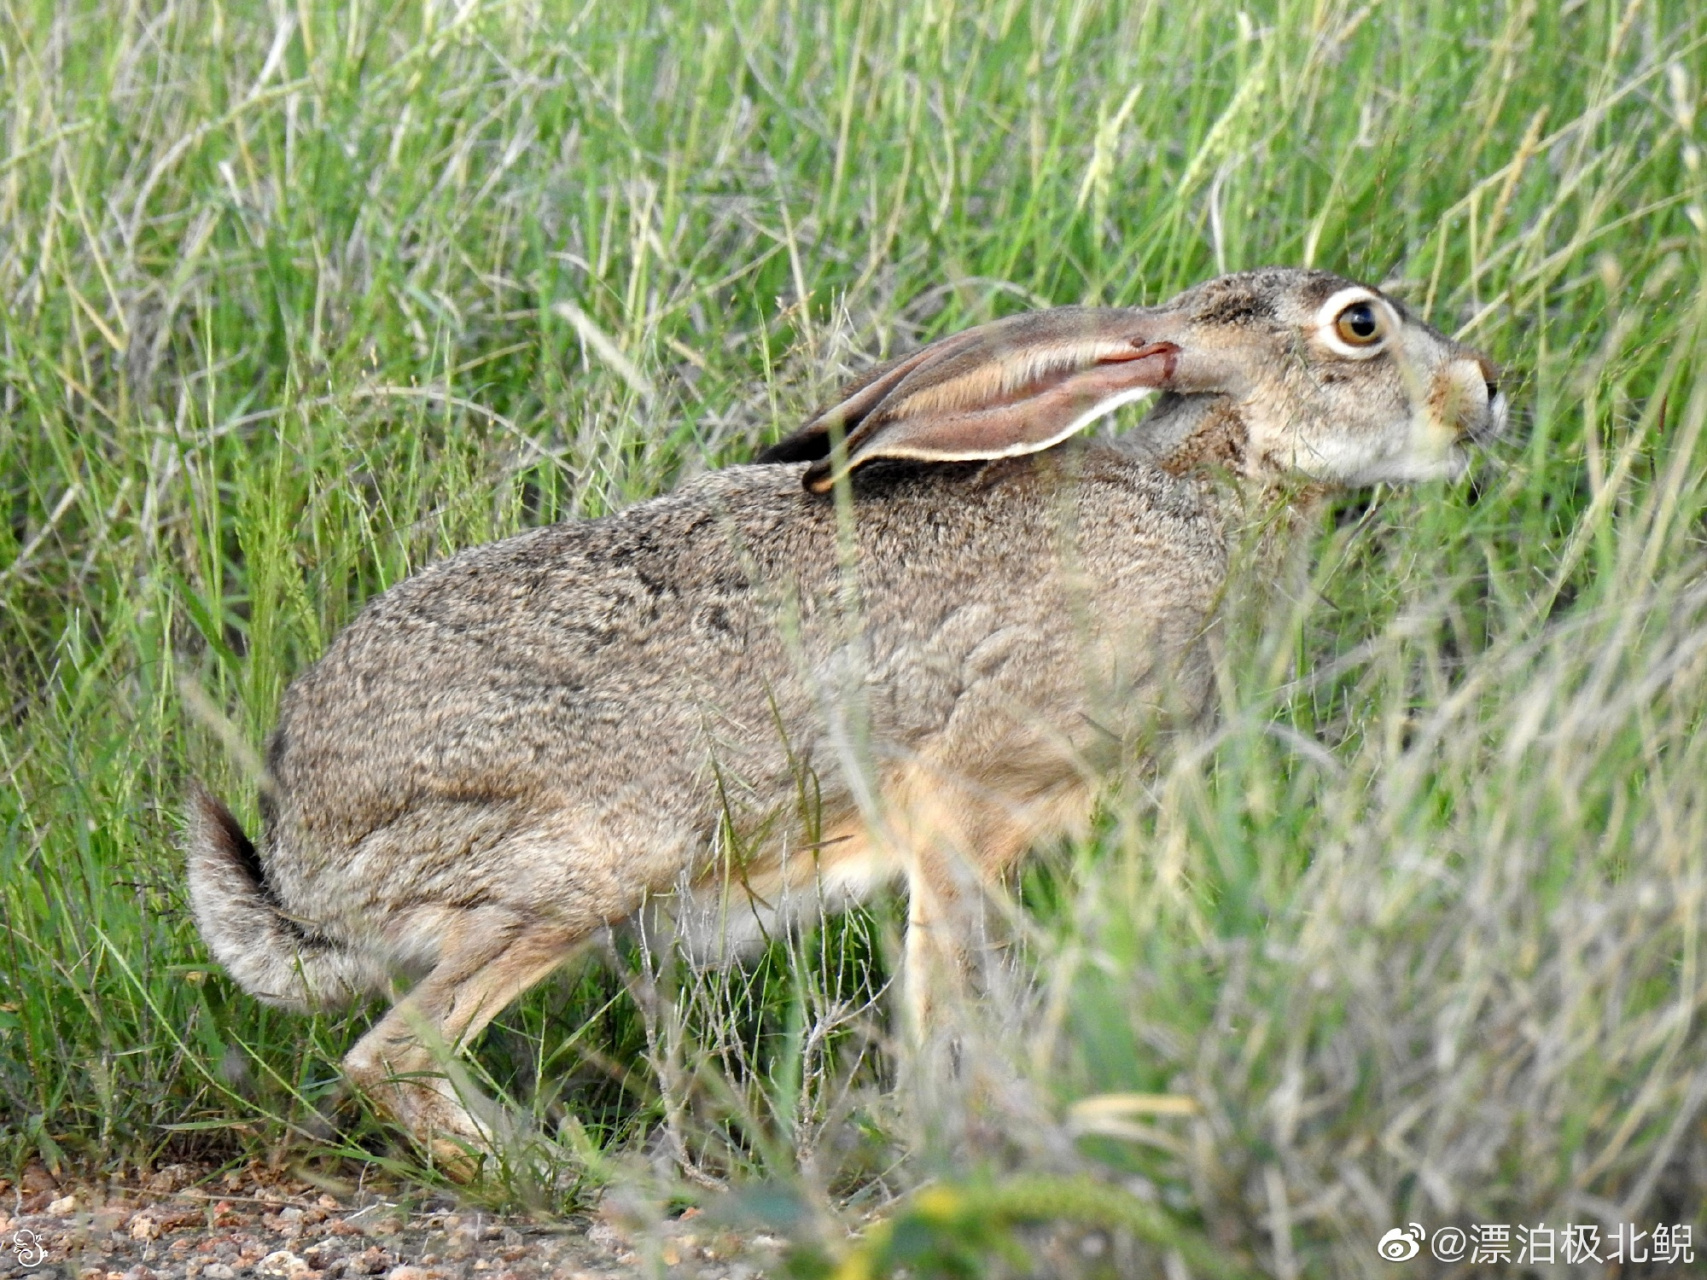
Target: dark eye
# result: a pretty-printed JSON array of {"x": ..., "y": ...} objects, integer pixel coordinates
[{"x": 1359, "y": 324}]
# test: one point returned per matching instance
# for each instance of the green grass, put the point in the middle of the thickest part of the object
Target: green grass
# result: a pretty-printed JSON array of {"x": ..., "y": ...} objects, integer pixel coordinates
[{"x": 295, "y": 300}]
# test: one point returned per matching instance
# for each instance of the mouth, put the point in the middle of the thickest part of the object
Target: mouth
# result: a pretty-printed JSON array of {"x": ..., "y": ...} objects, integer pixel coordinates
[
  {"x": 1455, "y": 463},
  {"x": 1470, "y": 414}
]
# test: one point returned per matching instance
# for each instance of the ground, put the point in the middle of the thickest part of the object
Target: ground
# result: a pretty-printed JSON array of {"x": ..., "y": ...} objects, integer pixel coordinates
[{"x": 183, "y": 1223}]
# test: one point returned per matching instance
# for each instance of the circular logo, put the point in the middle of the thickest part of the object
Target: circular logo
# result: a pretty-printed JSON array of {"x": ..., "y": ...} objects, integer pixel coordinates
[
  {"x": 1401, "y": 1244},
  {"x": 30, "y": 1250}
]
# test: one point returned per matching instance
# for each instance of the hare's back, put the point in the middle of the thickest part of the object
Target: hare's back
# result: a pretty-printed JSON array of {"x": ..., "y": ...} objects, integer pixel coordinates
[
  {"x": 610, "y": 662},
  {"x": 574, "y": 656}
]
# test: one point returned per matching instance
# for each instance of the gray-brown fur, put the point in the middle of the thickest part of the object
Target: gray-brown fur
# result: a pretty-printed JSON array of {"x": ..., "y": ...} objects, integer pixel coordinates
[
  {"x": 588, "y": 676},
  {"x": 541, "y": 737}
]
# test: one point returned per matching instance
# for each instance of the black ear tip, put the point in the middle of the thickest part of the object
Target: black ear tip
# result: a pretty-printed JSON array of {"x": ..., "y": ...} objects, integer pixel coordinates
[{"x": 802, "y": 446}]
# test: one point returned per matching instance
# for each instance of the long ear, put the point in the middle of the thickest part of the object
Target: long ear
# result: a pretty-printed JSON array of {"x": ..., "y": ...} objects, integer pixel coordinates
[
  {"x": 1012, "y": 387},
  {"x": 859, "y": 398}
]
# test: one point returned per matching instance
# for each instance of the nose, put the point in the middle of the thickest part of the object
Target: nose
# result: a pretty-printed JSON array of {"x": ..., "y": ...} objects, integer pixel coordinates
[
  {"x": 1483, "y": 421},
  {"x": 1490, "y": 376}
]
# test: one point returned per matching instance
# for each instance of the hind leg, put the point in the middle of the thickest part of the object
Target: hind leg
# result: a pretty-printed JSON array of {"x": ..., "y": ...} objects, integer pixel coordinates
[{"x": 401, "y": 1062}]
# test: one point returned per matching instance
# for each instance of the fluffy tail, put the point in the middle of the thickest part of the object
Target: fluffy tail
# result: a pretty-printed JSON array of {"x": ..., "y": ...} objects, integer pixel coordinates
[{"x": 271, "y": 956}]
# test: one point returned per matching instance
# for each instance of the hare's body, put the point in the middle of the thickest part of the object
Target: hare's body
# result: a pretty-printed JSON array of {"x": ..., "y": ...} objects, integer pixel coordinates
[
  {"x": 560, "y": 725},
  {"x": 754, "y": 696}
]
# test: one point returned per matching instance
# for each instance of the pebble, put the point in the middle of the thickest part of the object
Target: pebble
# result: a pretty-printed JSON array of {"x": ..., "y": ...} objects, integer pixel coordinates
[{"x": 282, "y": 1262}]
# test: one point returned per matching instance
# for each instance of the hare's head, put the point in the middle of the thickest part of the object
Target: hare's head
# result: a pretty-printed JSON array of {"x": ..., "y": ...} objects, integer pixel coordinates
[
  {"x": 1269, "y": 372},
  {"x": 1327, "y": 378}
]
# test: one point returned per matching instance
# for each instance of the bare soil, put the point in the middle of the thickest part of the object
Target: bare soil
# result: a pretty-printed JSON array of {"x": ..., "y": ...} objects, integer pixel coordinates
[{"x": 180, "y": 1223}]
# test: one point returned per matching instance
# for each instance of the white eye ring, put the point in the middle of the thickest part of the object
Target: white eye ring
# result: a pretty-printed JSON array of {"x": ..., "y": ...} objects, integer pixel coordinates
[{"x": 1328, "y": 315}]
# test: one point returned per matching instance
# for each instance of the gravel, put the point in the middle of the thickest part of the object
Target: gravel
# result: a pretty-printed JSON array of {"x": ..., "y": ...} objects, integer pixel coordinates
[{"x": 182, "y": 1224}]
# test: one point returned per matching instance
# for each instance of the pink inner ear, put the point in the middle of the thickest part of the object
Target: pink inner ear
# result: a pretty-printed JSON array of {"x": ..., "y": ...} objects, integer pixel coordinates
[
  {"x": 1027, "y": 419},
  {"x": 1166, "y": 350}
]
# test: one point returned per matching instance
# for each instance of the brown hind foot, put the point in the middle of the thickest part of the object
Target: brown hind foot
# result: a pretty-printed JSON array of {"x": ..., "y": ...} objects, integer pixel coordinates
[
  {"x": 407, "y": 1063},
  {"x": 426, "y": 1105}
]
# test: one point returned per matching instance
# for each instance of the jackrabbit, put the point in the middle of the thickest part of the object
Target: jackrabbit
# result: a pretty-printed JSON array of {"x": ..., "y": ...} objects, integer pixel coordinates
[{"x": 900, "y": 649}]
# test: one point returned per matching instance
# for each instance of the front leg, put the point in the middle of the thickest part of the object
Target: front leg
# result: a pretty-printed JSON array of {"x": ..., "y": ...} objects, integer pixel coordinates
[
  {"x": 957, "y": 847},
  {"x": 937, "y": 960}
]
